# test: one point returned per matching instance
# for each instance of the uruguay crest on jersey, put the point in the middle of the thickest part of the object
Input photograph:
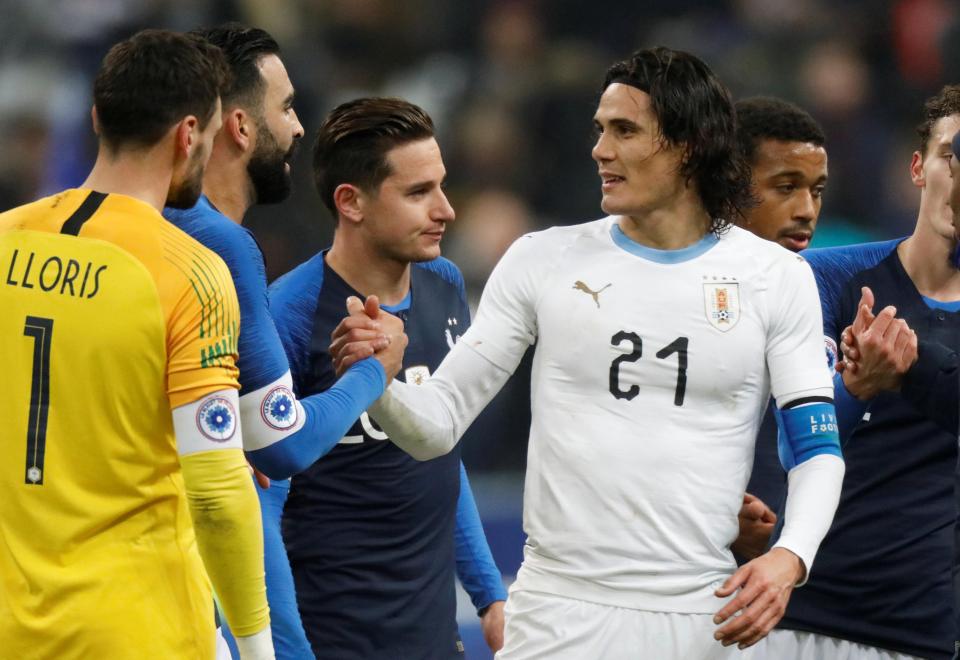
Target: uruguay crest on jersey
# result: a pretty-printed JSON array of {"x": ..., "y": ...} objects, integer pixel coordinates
[{"x": 721, "y": 302}]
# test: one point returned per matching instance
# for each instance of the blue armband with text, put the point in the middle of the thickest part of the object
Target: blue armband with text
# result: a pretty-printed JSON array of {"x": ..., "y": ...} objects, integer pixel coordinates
[{"x": 807, "y": 431}]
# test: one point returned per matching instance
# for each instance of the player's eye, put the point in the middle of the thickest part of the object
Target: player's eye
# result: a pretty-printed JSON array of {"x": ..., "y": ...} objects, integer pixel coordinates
[
  {"x": 786, "y": 188},
  {"x": 818, "y": 191}
]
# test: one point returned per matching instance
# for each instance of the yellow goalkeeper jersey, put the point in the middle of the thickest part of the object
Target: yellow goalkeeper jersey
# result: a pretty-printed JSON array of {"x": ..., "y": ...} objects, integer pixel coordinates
[{"x": 111, "y": 317}]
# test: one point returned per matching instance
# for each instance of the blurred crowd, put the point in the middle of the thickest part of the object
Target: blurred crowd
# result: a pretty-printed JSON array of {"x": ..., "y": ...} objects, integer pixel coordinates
[{"x": 511, "y": 85}]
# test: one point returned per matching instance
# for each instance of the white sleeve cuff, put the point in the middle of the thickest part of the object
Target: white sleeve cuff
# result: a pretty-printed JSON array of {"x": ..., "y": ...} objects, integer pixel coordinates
[
  {"x": 813, "y": 492},
  {"x": 258, "y": 646}
]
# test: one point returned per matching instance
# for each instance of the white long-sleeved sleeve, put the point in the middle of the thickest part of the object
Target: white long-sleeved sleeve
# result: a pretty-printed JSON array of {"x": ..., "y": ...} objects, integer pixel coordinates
[
  {"x": 427, "y": 420},
  {"x": 813, "y": 494}
]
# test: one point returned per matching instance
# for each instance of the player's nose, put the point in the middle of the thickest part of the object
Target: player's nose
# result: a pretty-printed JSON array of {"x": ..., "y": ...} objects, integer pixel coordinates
[
  {"x": 602, "y": 151},
  {"x": 443, "y": 210},
  {"x": 297, "y": 126},
  {"x": 805, "y": 207}
]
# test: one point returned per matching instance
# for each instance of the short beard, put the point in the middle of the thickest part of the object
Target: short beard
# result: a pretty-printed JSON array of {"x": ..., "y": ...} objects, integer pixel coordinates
[
  {"x": 267, "y": 167},
  {"x": 185, "y": 195}
]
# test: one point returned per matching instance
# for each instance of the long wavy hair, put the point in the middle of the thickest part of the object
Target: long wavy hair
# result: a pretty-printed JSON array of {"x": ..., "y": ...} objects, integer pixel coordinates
[{"x": 695, "y": 111}]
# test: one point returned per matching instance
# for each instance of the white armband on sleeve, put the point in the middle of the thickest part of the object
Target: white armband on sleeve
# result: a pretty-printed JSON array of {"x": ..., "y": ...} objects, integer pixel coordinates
[
  {"x": 427, "y": 420},
  {"x": 208, "y": 423},
  {"x": 270, "y": 414},
  {"x": 813, "y": 492},
  {"x": 258, "y": 646}
]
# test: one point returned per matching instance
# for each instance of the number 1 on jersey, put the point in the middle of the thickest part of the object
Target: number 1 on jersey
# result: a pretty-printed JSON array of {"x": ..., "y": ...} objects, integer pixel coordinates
[{"x": 41, "y": 330}]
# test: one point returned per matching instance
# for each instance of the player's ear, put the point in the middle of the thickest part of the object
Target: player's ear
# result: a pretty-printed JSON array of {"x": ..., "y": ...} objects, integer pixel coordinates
[
  {"x": 348, "y": 199},
  {"x": 916, "y": 170},
  {"x": 186, "y": 136},
  {"x": 237, "y": 125},
  {"x": 95, "y": 120}
]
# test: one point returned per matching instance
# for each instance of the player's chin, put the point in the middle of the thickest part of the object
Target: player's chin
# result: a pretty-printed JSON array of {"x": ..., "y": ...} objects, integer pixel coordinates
[
  {"x": 425, "y": 253},
  {"x": 611, "y": 205}
]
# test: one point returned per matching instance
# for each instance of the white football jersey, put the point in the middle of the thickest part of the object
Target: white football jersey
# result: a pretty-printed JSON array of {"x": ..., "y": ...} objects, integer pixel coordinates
[{"x": 651, "y": 373}]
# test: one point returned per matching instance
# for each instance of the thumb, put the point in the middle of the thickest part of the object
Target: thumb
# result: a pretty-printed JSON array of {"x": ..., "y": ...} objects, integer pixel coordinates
[
  {"x": 864, "y": 317},
  {"x": 733, "y": 582},
  {"x": 372, "y": 307},
  {"x": 354, "y": 306}
]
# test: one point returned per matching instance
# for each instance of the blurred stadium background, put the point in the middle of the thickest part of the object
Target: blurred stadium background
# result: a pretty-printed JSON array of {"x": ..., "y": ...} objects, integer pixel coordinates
[{"x": 511, "y": 85}]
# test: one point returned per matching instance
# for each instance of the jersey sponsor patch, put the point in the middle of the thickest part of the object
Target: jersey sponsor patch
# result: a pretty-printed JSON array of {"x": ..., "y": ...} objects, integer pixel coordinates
[
  {"x": 833, "y": 354},
  {"x": 217, "y": 419},
  {"x": 278, "y": 409},
  {"x": 416, "y": 375},
  {"x": 721, "y": 302}
]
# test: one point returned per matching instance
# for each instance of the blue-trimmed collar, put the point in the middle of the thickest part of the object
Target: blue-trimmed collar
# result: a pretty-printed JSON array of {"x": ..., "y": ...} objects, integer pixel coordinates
[
  {"x": 400, "y": 306},
  {"x": 951, "y": 306},
  {"x": 662, "y": 256}
]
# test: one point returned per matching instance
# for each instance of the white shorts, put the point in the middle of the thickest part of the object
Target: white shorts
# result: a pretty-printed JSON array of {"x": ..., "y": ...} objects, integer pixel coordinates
[
  {"x": 797, "y": 645},
  {"x": 540, "y": 625}
]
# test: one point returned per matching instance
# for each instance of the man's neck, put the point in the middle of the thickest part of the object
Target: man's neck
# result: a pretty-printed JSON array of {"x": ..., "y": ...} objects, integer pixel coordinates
[
  {"x": 227, "y": 186},
  {"x": 670, "y": 228},
  {"x": 367, "y": 271},
  {"x": 132, "y": 173},
  {"x": 926, "y": 257}
]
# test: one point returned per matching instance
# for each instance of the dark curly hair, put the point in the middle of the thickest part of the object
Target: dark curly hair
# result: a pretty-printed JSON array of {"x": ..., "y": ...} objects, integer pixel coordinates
[
  {"x": 768, "y": 118},
  {"x": 695, "y": 111},
  {"x": 944, "y": 104}
]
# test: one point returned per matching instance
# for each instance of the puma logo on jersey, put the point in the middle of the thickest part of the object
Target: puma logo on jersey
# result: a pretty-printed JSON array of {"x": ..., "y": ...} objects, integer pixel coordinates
[{"x": 580, "y": 286}]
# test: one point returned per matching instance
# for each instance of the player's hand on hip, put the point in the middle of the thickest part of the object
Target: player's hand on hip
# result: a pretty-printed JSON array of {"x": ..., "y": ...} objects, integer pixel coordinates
[
  {"x": 885, "y": 349},
  {"x": 358, "y": 336},
  {"x": 491, "y": 623},
  {"x": 262, "y": 480},
  {"x": 756, "y": 522},
  {"x": 764, "y": 585}
]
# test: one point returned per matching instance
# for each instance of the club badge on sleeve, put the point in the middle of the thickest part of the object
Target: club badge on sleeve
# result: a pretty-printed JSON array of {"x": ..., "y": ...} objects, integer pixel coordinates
[{"x": 721, "y": 302}]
